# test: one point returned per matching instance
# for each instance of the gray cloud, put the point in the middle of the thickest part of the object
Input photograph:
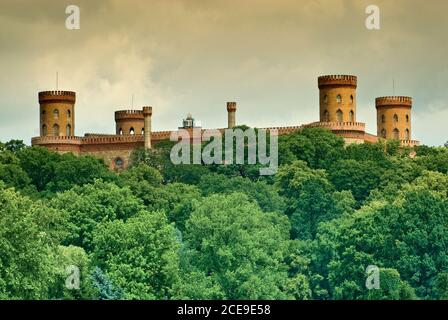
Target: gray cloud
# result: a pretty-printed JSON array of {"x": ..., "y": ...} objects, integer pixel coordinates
[{"x": 194, "y": 55}]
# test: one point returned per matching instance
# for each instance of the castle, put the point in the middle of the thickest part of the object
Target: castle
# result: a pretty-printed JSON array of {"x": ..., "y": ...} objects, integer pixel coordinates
[{"x": 337, "y": 109}]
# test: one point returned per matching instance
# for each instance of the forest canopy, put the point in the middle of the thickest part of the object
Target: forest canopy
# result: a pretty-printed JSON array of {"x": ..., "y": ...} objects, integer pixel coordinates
[{"x": 162, "y": 231}]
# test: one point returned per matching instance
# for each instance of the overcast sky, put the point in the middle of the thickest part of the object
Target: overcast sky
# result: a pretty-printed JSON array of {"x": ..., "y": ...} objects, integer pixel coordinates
[{"x": 182, "y": 56}]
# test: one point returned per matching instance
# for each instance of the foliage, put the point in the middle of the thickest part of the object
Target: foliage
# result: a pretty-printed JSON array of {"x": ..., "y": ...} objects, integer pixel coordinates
[{"x": 161, "y": 231}]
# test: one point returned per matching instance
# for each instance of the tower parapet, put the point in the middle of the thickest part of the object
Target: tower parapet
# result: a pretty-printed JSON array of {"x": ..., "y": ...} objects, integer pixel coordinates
[
  {"x": 129, "y": 122},
  {"x": 337, "y": 80},
  {"x": 394, "y": 117},
  {"x": 337, "y": 98},
  {"x": 57, "y": 113}
]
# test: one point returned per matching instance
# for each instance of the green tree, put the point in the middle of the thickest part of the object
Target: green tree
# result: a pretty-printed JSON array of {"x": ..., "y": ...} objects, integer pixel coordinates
[
  {"x": 239, "y": 248},
  {"x": 139, "y": 255},
  {"x": 29, "y": 236},
  {"x": 91, "y": 204}
]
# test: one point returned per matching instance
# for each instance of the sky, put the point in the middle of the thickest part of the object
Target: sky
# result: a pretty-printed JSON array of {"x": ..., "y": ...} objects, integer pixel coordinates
[{"x": 192, "y": 56}]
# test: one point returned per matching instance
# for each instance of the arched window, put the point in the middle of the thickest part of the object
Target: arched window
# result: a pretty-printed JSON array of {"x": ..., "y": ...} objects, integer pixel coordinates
[
  {"x": 143, "y": 130},
  {"x": 119, "y": 163},
  {"x": 339, "y": 115},
  {"x": 132, "y": 131},
  {"x": 69, "y": 114},
  {"x": 383, "y": 118},
  {"x": 396, "y": 134},
  {"x": 383, "y": 133},
  {"x": 407, "y": 135},
  {"x": 325, "y": 99},
  {"x": 120, "y": 131},
  {"x": 44, "y": 130},
  {"x": 56, "y": 130},
  {"x": 326, "y": 116},
  {"x": 56, "y": 113},
  {"x": 395, "y": 118},
  {"x": 338, "y": 98},
  {"x": 352, "y": 99},
  {"x": 43, "y": 113},
  {"x": 352, "y": 116},
  {"x": 68, "y": 130},
  {"x": 407, "y": 118}
]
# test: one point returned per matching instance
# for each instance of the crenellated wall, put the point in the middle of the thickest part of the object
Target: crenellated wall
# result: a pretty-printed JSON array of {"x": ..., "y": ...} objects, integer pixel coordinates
[
  {"x": 127, "y": 121},
  {"x": 337, "y": 105}
]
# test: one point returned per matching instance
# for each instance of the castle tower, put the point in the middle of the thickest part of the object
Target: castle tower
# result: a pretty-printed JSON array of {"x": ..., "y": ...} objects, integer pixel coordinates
[
  {"x": 129, "y": 122},
  {"x": 337, "y": 98},
  {"x": 231, "y": 111},
  {"x": 147, "y": 114},
  {"x": 57, "y": 113},
  {"x": 394, "y": 117}
]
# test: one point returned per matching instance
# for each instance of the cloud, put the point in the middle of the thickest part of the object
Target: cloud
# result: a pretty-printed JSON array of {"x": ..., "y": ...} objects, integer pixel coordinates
[{"x": 185, "y": 56}]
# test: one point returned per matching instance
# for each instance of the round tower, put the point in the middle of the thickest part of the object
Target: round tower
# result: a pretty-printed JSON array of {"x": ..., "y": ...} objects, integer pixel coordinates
[
  {"x": 57, "y": 113},
  {"x": 394, "y": 117},
  {"x": 337, "y": 98},
  {"x": 231, "y": 111},
  {"x": 129, "y": 122}
]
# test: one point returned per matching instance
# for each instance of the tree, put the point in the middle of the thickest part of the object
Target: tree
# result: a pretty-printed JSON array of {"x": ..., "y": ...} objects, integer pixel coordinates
[
  {"x": 317, "y": 147},
  {"x": 91, "y": 204},
  {"x": 29, "y": 236},
  {"x": 239, "y": 249},
  {"x": 53, "y": 172},
  {"x": 309, "y": 198},
  {"x": 360, "y": 177},
  {"x": 264, "y": 194},
  {"x": 139, "y": 255},
  {"x": 106, "y": 290},
  {"x": 14, "y": 145}
]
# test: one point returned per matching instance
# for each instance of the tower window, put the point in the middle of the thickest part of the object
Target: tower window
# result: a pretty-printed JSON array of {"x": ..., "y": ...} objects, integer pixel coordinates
[
  {"x": 383, "y": 133},
  {"x": 325, "y": 99},
  {"x": 56, "y": 130},
  {"x": 352, "y": 116},
  {"x": 339, "y": 115},
  {"x": 338, "y": 98},
  {"x": 68, "y": 130},
  {"x": 395, "y": 118},
  {"x": 396, "y": 134},
  {"x": 44, "y": 130},
  {"x": 69, "y": 114},
  {"x": 56, "y": 113},
  {"x": 143, "y": 130},
  {"x": 407, "y": 118},
  {"x": 351, "y": 99},
  {"x": 383, "y": 118},
  {"x": 326, "y": 116},
  {"x": 43, "y": 112},
  {"x": 120, "y": 131},
  {"x": 132, "y": 131},
  {"x": 119, "y": 163},
  {"x": 407, "y": 135}
]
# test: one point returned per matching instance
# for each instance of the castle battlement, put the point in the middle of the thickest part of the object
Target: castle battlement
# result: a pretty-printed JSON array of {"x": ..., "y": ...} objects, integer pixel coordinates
[
  {"x": 349, "y": 126},
  {"x": 129, "y": 114},
  {"x": 337, "y": 110},
  {"x": 337, "y": 80},
  {"x": 393, "y": 101},
  {"x": 57, "y": 95},
  {"x": 57, "y": 140},
  {"x": 231, "y": 106}
]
